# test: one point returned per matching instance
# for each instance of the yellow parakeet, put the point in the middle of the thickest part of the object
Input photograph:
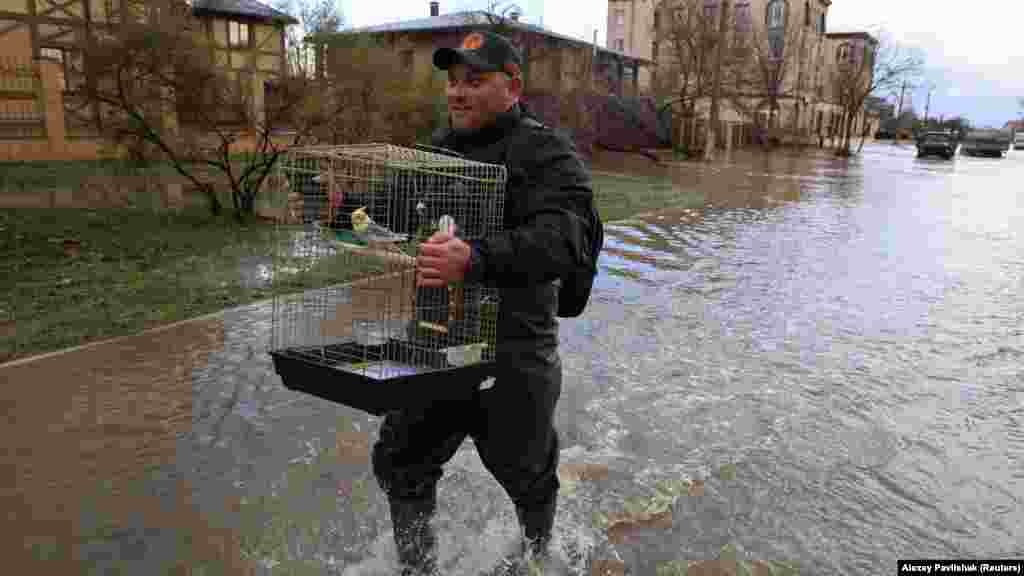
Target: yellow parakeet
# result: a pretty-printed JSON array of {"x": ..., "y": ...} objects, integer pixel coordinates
[{"x": 366, "y": 229}]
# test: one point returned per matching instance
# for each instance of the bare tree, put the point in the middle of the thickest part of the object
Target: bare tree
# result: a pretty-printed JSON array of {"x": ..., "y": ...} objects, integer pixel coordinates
[
  {"x": 574, "y": 92},
  {"x": 316, "y": 17},
  {"x": 871, "y": 66},
  {"x": 685, "y": 70},
  {"x": 160, "y": 94},
  {"x": 716, "y": 80},
  {"x": 501, "y": 18},
  {"x": 354, "y": 102},
  {"x": 776, "y": 59}
]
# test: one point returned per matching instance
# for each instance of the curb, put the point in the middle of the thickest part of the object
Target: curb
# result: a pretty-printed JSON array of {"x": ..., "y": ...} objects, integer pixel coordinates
[{"x": 45, "y": 355}]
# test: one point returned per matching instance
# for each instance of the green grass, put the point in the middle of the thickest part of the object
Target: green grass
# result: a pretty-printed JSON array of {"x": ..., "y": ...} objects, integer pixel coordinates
[
  {"x": 136, "y": 269},
  {"x": 620, "y": 197},
  {"x": 33, "y": 176},
  {"x": 617, "y": 196},
  {"x": 139, "y": 268}
]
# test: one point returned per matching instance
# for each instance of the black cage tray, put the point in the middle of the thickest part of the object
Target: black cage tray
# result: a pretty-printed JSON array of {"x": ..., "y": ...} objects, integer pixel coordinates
[{"x": 384, "y": 382}]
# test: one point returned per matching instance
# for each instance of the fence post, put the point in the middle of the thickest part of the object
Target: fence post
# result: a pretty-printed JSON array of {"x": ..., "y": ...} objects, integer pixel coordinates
[{"x": 53, "y": 108}]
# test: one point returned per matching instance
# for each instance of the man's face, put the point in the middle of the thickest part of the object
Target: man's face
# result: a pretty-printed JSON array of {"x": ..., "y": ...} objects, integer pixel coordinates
[{"x": 476, "y": 98}]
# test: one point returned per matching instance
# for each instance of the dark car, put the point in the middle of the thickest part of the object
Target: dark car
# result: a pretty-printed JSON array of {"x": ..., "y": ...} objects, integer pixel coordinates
[{"x": 936, "y": 143}]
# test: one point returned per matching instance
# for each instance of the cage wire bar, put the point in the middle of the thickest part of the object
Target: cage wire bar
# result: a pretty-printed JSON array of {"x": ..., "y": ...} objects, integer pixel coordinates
[{"x": 345, "y": 300}]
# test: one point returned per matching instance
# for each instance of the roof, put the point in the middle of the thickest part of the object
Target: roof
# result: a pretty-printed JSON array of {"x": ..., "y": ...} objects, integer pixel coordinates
[
  {"x": 851, "y": 36},
  {"x": 878, "y": 104},
  {"x": 476, "y": 18},
  {"x": 248, "y": 8}
]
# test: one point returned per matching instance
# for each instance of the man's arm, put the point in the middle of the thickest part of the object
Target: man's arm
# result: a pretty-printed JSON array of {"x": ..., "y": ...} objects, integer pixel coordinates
[{"x": 555, "y": 232}]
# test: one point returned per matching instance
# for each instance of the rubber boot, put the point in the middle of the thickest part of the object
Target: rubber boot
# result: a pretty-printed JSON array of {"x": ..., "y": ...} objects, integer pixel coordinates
[
  {"x": 536, "y": 521},
  {"x": 415, "y": 540}
]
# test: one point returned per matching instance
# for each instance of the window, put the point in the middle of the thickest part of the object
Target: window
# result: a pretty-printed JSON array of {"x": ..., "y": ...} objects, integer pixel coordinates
[
  {"x": 776, "y": 14},
  {"x": 844, "y": 54},
  {"x": 620, "y": 45},
  {"x": 620, "y": 17},
  {"x": 821, "y": 23},
  {"x": 232, "y": 108},
  {"x": 807, "y": 14},
  {"x": 55, "y": 54},
  {"x": 744, "y": 20},
  {"x": 238, "y": 34},
  {"x": 710, "y": 11},
  {"x": 112, "y": 9},
  {"x": 657, "y": 20},
  {"x": 654, "y": 50},
  {"x": 70, "y": 76},
  {"x": 152, "y": 13},
  {"x": 406, "y": 58},
  {"x": 776, "y": 46}
]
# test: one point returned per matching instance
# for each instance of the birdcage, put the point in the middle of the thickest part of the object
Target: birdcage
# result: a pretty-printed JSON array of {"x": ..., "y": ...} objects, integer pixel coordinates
[{"x": 349, "y": 323}]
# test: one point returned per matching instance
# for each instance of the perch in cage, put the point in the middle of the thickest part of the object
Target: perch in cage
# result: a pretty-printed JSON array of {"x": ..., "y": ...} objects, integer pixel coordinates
[{"x": 349, "y": 323}]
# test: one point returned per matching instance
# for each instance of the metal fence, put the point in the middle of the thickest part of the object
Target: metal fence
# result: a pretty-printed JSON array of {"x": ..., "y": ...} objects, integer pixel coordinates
[{"x": 21, "y": 97}]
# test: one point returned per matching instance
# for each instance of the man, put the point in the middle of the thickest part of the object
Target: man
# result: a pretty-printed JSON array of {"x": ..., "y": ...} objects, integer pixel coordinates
[{"x": 548, "y": 199}]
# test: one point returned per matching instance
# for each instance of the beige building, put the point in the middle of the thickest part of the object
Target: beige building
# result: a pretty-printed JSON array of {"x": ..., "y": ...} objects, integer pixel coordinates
[
  {"x": 631, "y": 31},
  {"x": 42, "y": 117},
  {"x": 797, "y": 104},
  {"x": 852, "y": 56}
]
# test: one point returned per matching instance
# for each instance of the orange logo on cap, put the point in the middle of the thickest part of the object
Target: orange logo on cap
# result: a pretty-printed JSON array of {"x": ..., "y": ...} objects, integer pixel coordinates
[{"x": 473, "y": 41}]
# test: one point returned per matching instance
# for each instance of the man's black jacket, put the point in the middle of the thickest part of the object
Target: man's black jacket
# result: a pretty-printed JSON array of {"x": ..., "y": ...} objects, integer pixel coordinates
[{"x": 548, "y": 197}]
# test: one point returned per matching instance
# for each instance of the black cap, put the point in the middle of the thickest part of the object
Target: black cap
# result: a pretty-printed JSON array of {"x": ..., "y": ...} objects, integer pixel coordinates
[{"x": 483, "y": 51}]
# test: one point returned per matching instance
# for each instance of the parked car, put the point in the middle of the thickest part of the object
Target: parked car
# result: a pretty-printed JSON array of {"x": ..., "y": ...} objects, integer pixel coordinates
[
  {"x": 1018, "y": 140},
  {"x": 986, "y": 143},
  {"x": 937, "y": 144}
]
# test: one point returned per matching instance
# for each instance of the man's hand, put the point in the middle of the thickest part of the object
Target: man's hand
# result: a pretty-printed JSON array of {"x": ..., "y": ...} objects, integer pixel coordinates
[{"x": 443, "y": 259}]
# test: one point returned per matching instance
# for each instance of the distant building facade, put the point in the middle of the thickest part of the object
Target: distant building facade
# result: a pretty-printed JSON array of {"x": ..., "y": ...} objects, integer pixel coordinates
[
  {"x": 794, "y": 31},
  {"x": 630, "y": 30}
]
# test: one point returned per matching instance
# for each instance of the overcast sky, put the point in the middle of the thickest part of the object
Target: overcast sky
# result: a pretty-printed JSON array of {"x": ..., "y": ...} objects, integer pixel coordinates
[{"x": 974, "y": 50}]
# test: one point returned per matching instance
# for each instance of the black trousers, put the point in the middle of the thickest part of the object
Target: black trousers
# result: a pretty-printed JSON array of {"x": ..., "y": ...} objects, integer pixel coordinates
[{"x": 511, "y": 423}]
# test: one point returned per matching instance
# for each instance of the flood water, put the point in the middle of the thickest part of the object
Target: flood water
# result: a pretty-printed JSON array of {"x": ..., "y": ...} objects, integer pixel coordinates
[
  {"x": 857, "y": 351},
  {"x": 845, "y": 336}
]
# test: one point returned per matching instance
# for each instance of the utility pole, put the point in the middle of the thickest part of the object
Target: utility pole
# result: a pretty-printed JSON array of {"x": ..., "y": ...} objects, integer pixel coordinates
[
  {"x": 716, "y": 87},
  {"x": 903, "y": 88},
  {"x": 928, "y": 104}
]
